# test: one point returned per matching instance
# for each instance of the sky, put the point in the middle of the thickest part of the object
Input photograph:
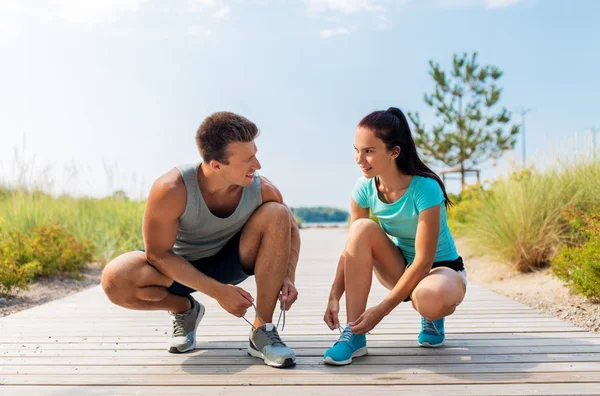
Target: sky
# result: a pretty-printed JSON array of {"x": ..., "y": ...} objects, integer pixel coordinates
[{"x": 97, "y": 96}]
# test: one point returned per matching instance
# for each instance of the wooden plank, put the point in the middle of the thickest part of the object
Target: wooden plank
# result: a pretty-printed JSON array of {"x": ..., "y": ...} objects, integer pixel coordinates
[
  {"x": 242, "y": 359},
  {"x": 322, "y": 343},
  {"x": 416, "y": 351},
  {"x": 302, "y": 369},
  {"x": 583, "y": 389},
  {"x": 267, "y": 376},
  {"x": 479, "y": 337}
]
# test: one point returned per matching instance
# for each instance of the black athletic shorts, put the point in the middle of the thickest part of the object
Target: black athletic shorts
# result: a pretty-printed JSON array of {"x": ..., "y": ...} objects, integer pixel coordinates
[
  {"x": 457, "y": 265},
  {"x": 225, "y": 267}
]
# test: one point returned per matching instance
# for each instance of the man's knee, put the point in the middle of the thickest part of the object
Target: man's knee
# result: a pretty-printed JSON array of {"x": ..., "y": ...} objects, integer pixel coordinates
[
  {"x": 274, "y": 214},
  {"x": 118, "y": 279}
]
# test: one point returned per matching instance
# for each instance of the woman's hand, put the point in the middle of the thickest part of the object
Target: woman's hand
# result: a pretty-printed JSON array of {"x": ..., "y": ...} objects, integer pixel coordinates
[
  {"x": 331, "y": 313},
  {"x": 368, "y": 320}
]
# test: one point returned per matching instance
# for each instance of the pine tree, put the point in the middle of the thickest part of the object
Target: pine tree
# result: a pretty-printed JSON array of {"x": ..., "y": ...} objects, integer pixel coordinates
[{"x": 470, "y": 129}]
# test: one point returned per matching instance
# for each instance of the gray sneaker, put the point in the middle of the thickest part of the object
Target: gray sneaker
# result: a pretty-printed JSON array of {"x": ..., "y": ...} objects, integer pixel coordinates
[
  {"x": 185, "y": 324},
  {"x": 266, "y": 345}
]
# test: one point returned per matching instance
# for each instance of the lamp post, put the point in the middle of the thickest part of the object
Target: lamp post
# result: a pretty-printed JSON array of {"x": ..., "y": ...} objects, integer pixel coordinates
[{"x": 523, "y": 141}]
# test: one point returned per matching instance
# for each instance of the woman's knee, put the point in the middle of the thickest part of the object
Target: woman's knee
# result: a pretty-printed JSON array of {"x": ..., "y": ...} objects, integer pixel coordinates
[
  {"x": 361, "y": 229},
  {"x": 433, "y": 303}
]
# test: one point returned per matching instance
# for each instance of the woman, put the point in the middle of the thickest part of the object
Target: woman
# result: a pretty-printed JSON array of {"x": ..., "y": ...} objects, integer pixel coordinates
[{"x": 412, "y": 253}]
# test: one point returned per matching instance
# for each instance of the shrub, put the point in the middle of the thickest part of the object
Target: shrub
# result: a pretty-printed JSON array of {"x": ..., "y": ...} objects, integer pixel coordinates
[
  {"x": 518, "y": 219},
  {"x": 578, "y": 263},
  {"x": 44, "y": 250}
]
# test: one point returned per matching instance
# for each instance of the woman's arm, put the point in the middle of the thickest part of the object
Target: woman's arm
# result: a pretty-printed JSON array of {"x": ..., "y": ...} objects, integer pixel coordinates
[
  {"x": 428, "y": 230},
  {"x": 426, "y": 241}
]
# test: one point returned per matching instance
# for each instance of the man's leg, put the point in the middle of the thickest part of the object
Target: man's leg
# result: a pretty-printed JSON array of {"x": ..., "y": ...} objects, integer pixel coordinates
[
  {"x": 265, "y": 249},
  {"x": 131, "y": 282}
]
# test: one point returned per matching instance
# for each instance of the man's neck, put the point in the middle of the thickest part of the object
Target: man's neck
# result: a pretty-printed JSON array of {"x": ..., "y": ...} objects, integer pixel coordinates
[{"x": 211, "y": 183}]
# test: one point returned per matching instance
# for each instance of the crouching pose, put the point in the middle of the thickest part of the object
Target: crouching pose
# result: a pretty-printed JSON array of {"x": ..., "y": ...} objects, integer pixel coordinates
[
  {"x": 411, "y": 251},
  {"x": 207, "y": 227}
]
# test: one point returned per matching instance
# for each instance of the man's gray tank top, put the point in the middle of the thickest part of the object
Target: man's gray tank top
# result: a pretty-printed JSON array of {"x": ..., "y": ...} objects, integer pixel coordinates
[{"x": 201, "y": 233}]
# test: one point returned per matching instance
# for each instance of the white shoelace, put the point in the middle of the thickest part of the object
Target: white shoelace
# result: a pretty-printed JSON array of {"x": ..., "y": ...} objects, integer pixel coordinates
[
  {"x": 345, "y": 334},
  {"x": 263, "y": 323}
]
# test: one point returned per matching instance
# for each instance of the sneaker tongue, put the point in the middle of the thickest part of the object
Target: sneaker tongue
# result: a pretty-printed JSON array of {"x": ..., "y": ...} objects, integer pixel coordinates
[{"x": 269, "y": 326}]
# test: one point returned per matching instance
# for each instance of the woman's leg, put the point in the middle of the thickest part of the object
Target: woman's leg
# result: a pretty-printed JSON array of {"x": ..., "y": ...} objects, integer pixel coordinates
[
  {"x": 438, "y": 294},
  {"x": 368, "y": 250}
]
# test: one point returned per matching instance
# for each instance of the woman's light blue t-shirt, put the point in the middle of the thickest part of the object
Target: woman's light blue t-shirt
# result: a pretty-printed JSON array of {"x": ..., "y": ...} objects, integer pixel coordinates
[{"x": 399, "y": 219}]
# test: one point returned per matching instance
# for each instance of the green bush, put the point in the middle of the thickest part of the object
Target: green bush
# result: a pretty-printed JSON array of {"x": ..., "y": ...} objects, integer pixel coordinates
[
  {"x": 43, "y": 251},
  {"x": 14, "y": 275},
  {"x": 578, "y": 263},
  {"x": 465, "y": 204},
  {"x": 519, "y": 218},
  {"x": 114, "y": 224}
]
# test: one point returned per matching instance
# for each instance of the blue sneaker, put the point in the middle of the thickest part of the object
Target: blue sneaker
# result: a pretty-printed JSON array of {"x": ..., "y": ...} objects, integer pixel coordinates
[
  {"x": 348, "y": 346},
  {"x": 432, "y": 333}
]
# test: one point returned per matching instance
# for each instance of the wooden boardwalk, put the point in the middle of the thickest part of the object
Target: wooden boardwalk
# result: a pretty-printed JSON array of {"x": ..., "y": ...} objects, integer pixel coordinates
[{"x": 84, "y": 345}]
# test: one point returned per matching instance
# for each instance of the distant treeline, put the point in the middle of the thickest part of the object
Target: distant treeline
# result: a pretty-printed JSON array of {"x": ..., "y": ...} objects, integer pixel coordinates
[{"x": 320, "y": 214}]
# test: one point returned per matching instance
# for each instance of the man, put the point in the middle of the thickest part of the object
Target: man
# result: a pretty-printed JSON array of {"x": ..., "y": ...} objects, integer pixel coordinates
[{"x": 207, "y": 227}]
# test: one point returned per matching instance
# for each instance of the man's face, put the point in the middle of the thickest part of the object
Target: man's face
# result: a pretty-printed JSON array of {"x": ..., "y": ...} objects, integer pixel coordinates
[{"x": 242, "y": 163}]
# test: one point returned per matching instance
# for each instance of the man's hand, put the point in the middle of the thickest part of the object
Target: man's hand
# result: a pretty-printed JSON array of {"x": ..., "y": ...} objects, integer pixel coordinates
[
  {"x": 234, "y": 300},
  {"x": 331, "y": 313},
  {"x": 368, "y": 320},
  {"x": 289, "y": 294}
]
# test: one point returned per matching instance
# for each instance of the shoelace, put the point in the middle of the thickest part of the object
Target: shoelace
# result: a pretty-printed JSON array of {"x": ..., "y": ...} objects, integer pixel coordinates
[
  {"x": 262, "y": 323},
  {"x": 429, "y": 325},
  {"x": 179, "y": 324},
  {"x": 345, "y": 334}
]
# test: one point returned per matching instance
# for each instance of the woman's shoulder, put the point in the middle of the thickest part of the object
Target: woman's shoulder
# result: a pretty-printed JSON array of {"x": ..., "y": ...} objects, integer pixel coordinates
[
  {"x": 363, "y": 183},
  {"x": 427, "y": 183}
]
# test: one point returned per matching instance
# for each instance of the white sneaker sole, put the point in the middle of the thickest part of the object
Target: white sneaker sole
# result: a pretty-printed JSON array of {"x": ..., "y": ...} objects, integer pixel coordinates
[
  {"x": 286, "y": 363},
  {"x": 428, "y": 345},
  {"x": 358, "y": 353},
  {"x": 174, "y": 349}
]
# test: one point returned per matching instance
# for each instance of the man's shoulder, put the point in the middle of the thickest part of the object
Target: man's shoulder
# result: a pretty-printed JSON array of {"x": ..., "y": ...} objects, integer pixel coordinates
[
  {"x": 269, "y": 191},
  {"x": 169, "y": 187}
]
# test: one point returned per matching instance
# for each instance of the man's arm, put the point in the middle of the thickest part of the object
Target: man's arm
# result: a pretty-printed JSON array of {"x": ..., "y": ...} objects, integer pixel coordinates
[
  {"x": 270, "y": 193},
  {"x": 166, "y": 203}
]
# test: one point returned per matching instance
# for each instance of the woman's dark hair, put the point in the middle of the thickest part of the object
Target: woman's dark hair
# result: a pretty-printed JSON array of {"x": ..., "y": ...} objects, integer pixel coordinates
[{"x": 392, "y": 128}]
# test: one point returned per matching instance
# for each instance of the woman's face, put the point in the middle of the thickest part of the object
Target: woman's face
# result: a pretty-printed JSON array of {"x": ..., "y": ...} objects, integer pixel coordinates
[{"x": 372, "y": 156}]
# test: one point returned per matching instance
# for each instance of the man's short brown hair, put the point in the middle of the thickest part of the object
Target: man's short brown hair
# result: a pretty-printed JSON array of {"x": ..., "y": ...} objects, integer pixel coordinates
[{"x": 220, "y": 129}]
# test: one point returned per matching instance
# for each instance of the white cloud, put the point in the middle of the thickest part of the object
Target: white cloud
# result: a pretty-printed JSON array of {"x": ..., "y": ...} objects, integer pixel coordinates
[
  {"x": 340, "y": 31},
  {"x": 382, "y": 22},
  {"x": 500, "y": 3},
  {"x": 199, "y": 31},
  {"x": 223, "y": 13},
  {"x": 92, "y": 12},
  {"x": 201, "y": 5},
  {"x": 475, "y": 3},
  {"x": 344, "y": 6}
]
